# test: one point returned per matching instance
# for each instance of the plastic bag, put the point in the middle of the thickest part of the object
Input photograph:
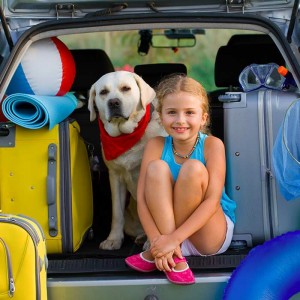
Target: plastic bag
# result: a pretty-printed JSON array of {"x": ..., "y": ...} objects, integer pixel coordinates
[{"x": 286, "y": 153}]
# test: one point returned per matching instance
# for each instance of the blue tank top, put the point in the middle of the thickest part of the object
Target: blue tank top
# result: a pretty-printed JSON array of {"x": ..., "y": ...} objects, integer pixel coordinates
[{"x": 227, "y": 204}]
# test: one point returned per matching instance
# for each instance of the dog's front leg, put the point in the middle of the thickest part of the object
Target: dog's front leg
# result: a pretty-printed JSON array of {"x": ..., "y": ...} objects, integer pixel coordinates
[{"x": 118, "y": 195}]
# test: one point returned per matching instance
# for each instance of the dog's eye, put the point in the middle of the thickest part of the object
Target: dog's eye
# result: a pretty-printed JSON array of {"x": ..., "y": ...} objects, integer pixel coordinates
[
  {"x": 125, "y": 88},
  {"x": 103, "y": 92}
]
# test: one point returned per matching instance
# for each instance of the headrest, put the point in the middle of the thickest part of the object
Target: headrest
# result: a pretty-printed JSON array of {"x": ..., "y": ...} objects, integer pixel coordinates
[
  {"x": 241, "y": 52},
  {"x": 153, "y": 73},
  {"x": 249, "y": 39},
  {"x": 91, "y": 64}
]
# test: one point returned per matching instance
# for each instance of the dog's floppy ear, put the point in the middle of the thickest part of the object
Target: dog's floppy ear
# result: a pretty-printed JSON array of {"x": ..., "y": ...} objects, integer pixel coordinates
[
  {"x": 91, "y": 102},
  {"x": 147, "y": 92}
]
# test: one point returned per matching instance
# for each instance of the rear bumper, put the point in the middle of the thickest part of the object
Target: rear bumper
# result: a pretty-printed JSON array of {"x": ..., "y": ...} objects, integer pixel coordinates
[{"x": 131, "y": 287}]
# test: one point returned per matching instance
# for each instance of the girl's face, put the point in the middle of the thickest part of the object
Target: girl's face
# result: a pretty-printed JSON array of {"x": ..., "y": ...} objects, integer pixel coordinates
[{"x": 182, "y": 115}]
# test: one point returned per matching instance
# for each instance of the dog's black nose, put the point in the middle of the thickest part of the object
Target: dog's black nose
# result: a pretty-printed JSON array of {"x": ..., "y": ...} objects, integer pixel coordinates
[{"x": 114, "y": 103}]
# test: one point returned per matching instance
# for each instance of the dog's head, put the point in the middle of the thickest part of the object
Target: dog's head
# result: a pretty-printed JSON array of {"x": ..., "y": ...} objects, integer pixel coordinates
[{"x": 121, "y": 98}]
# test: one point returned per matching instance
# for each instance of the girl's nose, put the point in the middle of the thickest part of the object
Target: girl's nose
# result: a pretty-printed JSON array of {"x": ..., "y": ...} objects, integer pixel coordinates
[
  {"x": 180, "y": 119},
  {"x": 179, "y": 122}
]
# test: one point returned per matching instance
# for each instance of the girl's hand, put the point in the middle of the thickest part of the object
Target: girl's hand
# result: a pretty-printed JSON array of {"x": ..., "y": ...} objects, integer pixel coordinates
[
  {"x": 163, "y": 245},
  {"x": 165, "y": 263}
]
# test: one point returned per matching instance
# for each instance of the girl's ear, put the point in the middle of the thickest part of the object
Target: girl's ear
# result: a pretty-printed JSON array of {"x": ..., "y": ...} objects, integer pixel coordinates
[
  {"x": 204, "y": 122},
  {"x": 205, "y": 119}
]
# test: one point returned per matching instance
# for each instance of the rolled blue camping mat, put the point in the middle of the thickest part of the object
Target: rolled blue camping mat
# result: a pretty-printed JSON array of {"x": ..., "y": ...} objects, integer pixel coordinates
[{"x": 34, "y": 112}]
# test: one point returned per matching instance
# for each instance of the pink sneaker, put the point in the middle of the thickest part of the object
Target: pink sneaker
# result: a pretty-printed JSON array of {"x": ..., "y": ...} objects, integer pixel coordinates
[
  {"x": 182, "y": 277},
  {"x": 139, "y": 263}
]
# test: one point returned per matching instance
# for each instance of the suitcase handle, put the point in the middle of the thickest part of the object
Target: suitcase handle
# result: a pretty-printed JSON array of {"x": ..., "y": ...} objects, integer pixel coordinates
[
  {"x": 230, "y": 97},
  {"x": 7, "y": 135},
  {"x": 51, "y": 190},
  {"x": 4, "y": 131},
  {"x": 10, "y": 277}
]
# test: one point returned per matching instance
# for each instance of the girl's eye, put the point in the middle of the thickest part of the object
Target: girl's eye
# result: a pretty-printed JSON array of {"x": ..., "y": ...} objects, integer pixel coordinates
[
  {"x": 189, "y": 112},
  {"x": 171, "y": 112}
]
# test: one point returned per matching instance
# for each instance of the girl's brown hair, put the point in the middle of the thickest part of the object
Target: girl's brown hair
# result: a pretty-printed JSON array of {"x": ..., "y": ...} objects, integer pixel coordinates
[{"x": 181, "y": 83}]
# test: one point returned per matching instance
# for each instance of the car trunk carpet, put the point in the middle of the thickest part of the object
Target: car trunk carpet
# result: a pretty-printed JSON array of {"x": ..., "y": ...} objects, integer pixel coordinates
[
  {"x": 91, "y": 259},
  {"x": 103, "y": 265}
]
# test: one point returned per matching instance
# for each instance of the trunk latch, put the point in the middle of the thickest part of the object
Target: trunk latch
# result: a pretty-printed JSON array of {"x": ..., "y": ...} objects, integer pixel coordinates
[
  {"x": 65, "y": 10},
  {"x": 235, "y": 5}
]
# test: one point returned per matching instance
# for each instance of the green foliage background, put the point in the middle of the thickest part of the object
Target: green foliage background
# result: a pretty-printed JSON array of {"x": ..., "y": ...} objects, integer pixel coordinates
[{"x": 121, "y": 46}]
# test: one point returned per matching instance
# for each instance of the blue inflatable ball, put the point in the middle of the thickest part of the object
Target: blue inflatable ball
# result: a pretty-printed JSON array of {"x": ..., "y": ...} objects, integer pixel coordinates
[
  {"x": 47, "y": 69},
  {"x": 269, "y": 271}
]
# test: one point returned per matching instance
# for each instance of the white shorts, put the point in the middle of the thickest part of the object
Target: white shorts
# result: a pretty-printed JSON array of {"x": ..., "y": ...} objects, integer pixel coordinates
[{"x": 188, "y": 249}]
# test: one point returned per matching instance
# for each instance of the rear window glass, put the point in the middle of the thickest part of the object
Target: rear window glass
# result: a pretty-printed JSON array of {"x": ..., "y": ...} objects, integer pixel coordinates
[{"x": 122, "y": 48}]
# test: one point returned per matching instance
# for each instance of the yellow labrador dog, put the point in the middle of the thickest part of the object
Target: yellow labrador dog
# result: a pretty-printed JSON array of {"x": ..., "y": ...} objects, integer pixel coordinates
[{"x": 123, "y": 102}]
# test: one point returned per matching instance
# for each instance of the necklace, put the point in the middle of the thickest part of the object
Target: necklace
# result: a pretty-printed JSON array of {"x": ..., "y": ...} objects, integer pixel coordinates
[{"x": 189, "y": 154}]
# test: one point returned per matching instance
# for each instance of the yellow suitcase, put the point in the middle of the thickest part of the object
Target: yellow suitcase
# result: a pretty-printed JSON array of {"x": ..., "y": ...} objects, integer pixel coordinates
[
  {"x": 23, "y": 260},
  {"x": 45, "y": 174}
]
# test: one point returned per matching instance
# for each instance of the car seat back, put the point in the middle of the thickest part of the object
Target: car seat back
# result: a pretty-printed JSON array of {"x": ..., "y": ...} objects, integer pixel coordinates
[
  {"x": 90, "y": 64},
  {"x": 240, "y": 52},
  {"x": 153, "y": 73}
]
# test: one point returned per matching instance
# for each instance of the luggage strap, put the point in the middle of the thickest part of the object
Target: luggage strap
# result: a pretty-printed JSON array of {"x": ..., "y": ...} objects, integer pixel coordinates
[{"x": 51, "y": 190}]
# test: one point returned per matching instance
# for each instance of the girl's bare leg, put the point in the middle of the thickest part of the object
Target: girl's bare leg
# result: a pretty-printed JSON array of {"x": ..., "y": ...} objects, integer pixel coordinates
[
  {"x": 159, "y": 197},
  {"x": 171, "y": 204},
  {"x": 189, "y": 191}
]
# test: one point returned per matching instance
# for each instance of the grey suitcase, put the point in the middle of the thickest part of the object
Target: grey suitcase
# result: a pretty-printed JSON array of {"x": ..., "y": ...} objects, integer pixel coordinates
[{"x": 251, "y": 124}]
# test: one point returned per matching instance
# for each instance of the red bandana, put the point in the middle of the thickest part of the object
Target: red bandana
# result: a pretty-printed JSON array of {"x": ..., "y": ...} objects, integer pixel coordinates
[{"x": 115, "y": 146}]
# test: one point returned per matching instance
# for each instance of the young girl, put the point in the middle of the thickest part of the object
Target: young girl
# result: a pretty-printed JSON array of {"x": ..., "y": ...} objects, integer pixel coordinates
[{"x": 181, "y": 200}]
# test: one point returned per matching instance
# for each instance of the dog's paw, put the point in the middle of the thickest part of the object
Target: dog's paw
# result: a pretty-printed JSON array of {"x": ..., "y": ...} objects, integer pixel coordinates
[
  {"x": 140, "y": 239},
  {"x": 111, "y": 244}
]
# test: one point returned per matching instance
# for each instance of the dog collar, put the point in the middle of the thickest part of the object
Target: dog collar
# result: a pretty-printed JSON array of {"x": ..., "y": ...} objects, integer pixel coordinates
[{"x": 113, "y": 147}]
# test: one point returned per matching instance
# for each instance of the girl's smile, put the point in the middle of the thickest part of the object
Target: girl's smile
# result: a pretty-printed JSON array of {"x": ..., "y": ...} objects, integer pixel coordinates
[
  {"x": 182, "y": 115},
  {"x": 180, "y": 129}
]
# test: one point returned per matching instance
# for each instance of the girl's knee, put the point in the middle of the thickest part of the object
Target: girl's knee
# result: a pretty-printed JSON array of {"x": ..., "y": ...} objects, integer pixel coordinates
[
  {"x": 156, "y": 169},
  {"x": 192, "y": 169}
]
